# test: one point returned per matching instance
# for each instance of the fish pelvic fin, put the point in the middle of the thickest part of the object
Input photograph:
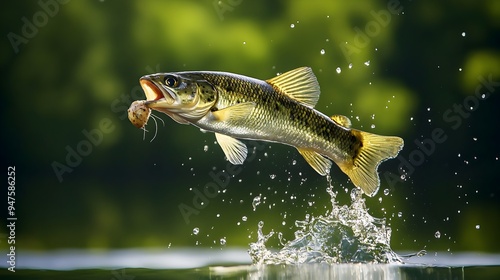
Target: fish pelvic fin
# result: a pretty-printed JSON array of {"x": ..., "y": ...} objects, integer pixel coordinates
[
  {"x": 373, "y": 150},
  {"x": 235, "y": 150}
]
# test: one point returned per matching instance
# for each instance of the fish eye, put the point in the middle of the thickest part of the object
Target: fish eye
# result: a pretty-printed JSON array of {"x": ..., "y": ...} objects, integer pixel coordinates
[{"x": 171, "y": 81}]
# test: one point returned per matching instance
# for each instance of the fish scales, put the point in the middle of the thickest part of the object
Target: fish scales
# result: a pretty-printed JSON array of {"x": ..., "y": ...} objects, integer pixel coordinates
[{"x": 279, "y": 118}]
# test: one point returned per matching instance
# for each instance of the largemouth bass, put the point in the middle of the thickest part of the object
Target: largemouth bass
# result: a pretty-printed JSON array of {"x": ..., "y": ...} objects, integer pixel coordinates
[{"x": 280, "y": 110}]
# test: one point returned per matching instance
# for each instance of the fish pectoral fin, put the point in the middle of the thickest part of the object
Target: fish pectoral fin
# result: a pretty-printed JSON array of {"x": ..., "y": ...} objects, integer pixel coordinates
[
  {"x": 362, "y": 169},
  {"x": 299, "y": 84},
  {"x": 235, "y": 112},
  {"x": 318, "y": 162},
  {"x": 235, "y": 150},
  {"x": 342, "y": 120}
]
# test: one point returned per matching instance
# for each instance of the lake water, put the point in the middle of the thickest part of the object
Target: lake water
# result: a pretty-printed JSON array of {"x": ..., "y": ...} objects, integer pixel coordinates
[{"x": 235, "y": 263}]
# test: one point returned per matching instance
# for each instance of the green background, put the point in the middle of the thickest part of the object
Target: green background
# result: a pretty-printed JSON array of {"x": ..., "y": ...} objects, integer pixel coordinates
[{"x": 69, "y": 67}]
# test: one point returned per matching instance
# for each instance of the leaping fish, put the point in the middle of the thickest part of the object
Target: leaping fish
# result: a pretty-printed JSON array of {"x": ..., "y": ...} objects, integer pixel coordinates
[{"x": 280, "y": 109}]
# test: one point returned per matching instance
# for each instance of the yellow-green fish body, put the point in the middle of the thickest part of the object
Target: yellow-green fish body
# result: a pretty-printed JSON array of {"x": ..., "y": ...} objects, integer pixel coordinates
[{"x": 280, "y": 110}]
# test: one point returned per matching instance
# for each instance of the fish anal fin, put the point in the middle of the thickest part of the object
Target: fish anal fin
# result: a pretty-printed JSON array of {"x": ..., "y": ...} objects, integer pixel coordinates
[
  {"x": 319, "y": 163},
  {"x": 362, "y": 169},
  {"x": 299, "y": 84},
  {"x": 235, "y": 112},
  {"x": 342, "y": 120},
  {"x": 235, "y": 150}
]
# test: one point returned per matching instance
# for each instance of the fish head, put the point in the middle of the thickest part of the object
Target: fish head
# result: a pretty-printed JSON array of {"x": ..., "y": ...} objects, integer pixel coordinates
[{"x": 185, "y": 97}]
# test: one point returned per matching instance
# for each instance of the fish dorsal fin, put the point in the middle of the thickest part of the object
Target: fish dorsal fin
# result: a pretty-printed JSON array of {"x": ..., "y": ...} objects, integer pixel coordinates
[
  {"x": 319, "y": 163},
  {"x": 235, "y": 150},
  {"x": 299, "y": 84},
  {"x": 235, "y": 112},
  {"x": 342, "y": 120}
]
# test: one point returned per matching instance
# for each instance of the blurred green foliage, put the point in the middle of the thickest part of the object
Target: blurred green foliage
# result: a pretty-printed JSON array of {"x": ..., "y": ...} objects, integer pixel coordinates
[{"x": 399, "y": 73}]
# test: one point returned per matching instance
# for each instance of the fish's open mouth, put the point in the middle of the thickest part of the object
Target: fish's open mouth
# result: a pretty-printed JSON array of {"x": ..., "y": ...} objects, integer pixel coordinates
[{"x": 154, "y": 93}]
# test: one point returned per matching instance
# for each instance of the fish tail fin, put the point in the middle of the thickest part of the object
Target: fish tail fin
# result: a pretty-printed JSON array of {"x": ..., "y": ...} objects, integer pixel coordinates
[{"x": 373, "y": 150}]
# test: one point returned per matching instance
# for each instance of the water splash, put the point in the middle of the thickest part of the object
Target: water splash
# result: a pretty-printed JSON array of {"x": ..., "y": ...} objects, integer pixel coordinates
[{"x": 347, "y": 234}]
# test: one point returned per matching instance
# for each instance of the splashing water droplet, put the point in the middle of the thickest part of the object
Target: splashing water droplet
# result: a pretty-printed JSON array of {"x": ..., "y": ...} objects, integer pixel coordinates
[
  {"x": 400, "y": 214},
  {"x": 255, "y": 202},
  {"x": 338, "y": 70},
  {"x": 244, "y": 218},
  {"x": 367, "y": 63},
  {"x": 345, "y": 234},
  {"x": 223, "y": 241},
  {"x": 386, "y": 191},
  {"x": 272, "y": 176},
  {"x": 322, "y": 51},
  {"x": 205, "y": 148},
  {"x": 196, "y": 231},
  {"x": 437, "y": 234},
  {"x": 372, "y": 126},
  {"x": 350, "y": 65}
]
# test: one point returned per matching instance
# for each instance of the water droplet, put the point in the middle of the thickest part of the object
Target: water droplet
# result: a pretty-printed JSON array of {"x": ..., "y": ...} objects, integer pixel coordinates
[
  {"x": 322, "y": 51},
  {"x": 272, "y": 176},
  {"x": 428, "y": 109},
  {"x": 421, "y": 253},
  {"x": 255, "y": 202},
  {"x": 367, "y": 63},
  {"x": 463, "y": 34},
  {"x": 223, "y": 241},
  {"x": 478, "y": 226},
  {"x": 338, "y": 70},
  {"x": 386, "y": 191},
  {"x": 292, "y": 25},
  {"x": 400, "y": 214},
  {"x": 437, "y": 234},
  {"x": 460, "y": 69},
  {"x": 350, "y": 65},
  {"x": 372, "y": 126},
  {"x": 294, "y": 162},
  {"x": 244, "y": 43},
  {"x": 196, "y": 231},
  {"x": 244, "y": 218},
  {"x": 205, "y": 148}
]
